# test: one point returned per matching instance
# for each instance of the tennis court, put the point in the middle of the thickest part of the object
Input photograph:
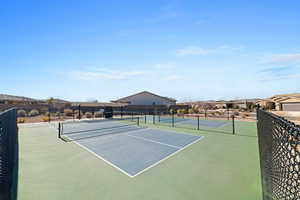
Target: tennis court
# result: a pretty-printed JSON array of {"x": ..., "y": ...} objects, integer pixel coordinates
[
  {"x": 206, "y": 165},
  {"x": 127, "y": 147},
  {"x": 227, "y": 126},
  {"x": 194, "y": 122}
]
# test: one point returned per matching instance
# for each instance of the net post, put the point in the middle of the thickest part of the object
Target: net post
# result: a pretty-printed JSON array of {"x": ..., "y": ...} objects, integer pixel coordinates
[
  {"x": 153, "y": 119},
  {"x": 198, "y": 123},
  {"x": 205, "y": 113},
  {"x": 59, "y": 130},
  {"x": 79, "y": 113},
  {"x": 138, "y": 121},
  {"x": 145, "y": 118},
  {"x": 131, "y": 116},
  {"x": 158, "y": 117},
  {"x": 172, "y": 119},
  {"x": 233, "y": 125}
]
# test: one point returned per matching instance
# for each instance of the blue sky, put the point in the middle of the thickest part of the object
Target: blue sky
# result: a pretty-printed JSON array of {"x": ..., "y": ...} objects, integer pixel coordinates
[{"x": 188, "y": 50}]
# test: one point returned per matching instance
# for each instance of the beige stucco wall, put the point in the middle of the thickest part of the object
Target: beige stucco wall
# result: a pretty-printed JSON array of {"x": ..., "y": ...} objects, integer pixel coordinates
[{"x": 148, "y": 99}]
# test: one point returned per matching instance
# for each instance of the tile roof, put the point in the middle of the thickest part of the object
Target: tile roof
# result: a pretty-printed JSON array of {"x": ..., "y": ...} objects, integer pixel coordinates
[
  {"x": 124, "y": 99},
  {"x": 291, "y": 100}
]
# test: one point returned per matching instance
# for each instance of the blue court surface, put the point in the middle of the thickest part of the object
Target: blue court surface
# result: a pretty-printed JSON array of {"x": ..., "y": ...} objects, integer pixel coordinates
[
  {"x": 136, "y": 150},
  {"x": 194, "y": 122}
]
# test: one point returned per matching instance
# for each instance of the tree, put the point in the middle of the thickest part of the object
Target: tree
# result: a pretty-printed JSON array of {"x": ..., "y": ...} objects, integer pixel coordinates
[{"x": 50, "y": 100}]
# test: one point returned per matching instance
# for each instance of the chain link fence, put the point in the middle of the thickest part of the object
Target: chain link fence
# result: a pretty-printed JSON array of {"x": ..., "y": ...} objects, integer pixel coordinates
[
  {"x": 279, "y": 146},
  {"x": 8, "y": 155}
]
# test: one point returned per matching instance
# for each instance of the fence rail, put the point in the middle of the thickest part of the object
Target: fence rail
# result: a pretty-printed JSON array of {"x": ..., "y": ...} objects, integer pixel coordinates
[
  {"x": 279, "y": 146},
  {"x": 8, "y": 155}
]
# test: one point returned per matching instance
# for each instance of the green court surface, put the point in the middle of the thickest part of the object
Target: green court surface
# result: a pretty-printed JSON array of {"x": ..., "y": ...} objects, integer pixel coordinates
[{"x": 219, "y": 167}]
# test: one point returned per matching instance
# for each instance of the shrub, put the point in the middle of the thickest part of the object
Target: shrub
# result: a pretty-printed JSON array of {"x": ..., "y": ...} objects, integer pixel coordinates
[
  {"x": 236, "y": 113},
  {"x": 68, "y": 112},
  {"x": 46, "y": 119},
  {"x": 21, "y": 113},
  {"x": 244, "y": 115},
  {"x": 181, "y": 111},
  {"x": 77, "y": 113},
  {"x": 219, "y": 113},
  {"x": 212, "y": 114},
  {"x": 88, "y": 115},
  {"x": 57, "y": 114},
  {"x": 195, "y": 108},
  {"x": 98, "y": 114},
  {"x": 21, "y": 120},
  {"x": 201, "y": 111},
  {"x": 33, "y": 113}
]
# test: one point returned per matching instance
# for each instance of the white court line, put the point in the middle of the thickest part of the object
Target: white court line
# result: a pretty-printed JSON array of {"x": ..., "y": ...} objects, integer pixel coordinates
[
  {"x": 29, "y": 125},
  {"x": 153, "y": 141},
  {"x": 98, "y": 156},
  {"x": 142, "y": 171},
  {"x": 158, "y": 162},
  {"x": 51, "y": 125}
]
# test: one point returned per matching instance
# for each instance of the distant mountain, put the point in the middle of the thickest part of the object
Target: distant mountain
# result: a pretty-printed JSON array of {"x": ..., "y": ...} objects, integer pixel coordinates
[
  {"x": 5, "y": 97},
  {"x": 55, "y": 100},
  {"x": 222, "y": 101}
]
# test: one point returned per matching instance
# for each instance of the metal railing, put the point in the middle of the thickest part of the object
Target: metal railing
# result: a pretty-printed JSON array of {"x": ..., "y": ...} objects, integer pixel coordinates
[{"x": 279, "y": 147}]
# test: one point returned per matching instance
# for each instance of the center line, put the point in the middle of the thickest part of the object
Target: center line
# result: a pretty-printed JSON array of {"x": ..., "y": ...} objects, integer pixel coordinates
[{"x": 149, "y": 140}]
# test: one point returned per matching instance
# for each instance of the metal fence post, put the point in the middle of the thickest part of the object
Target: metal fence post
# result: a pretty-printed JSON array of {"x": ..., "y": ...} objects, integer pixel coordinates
[
  {"x": 233, "y": 125},
  {"x": 59, "y": 129},
  {"x": 198, "y": 124},
  {"x": 79, "y": 109},
  {"x": 173, "y": 120}
]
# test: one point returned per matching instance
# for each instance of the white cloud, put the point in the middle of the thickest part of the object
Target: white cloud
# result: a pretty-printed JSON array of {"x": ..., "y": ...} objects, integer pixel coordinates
[
  {"x": 282, "y": 58},
  {"x": 102, "y": 73},
  {"x": 196, "y": 50}
]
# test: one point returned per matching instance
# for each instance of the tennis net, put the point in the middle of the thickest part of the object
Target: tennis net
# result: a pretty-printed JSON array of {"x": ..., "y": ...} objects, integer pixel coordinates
[{"x": 70, "y": 131}]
